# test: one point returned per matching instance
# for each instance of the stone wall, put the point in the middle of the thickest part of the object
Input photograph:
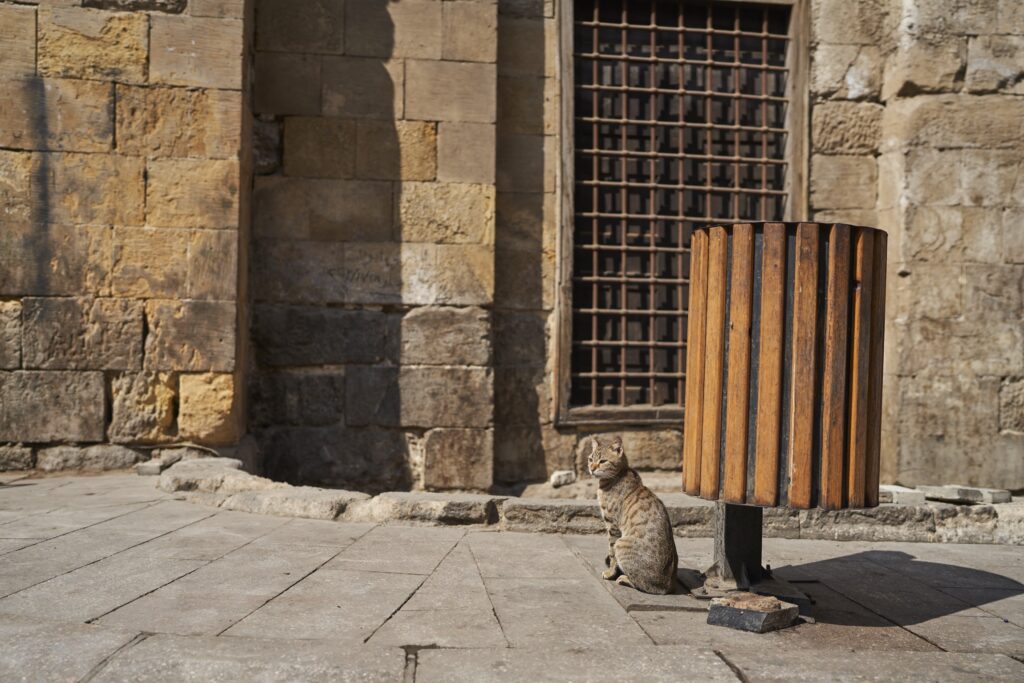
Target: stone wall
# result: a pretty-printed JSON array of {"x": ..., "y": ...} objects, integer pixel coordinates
[
  {"x": 918, "y": 128},
  {"x": 122, "y": 201}
]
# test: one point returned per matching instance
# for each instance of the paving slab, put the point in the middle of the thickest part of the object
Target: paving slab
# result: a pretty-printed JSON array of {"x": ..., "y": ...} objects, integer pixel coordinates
[
  {"x": 455, "y": 584},
  {"x": 523, "y": 555},
  {"x": 772, "y": 664},
  {"x": 970, "y": 632},
  {"x": 999, "y": 602},
  {"x": 900, "y": 495},
  {"x": 8, "y": 545},
  {"x": 341, "y": 605},
  {"x": 176, "y": 658},
  {"x": 614, "y": 662},
  {"x": 35, "y": 650},
  {"x": 398, "y": 549},
  {"x": 211, "y": 538},
  {"x": 462, "y": 628},
  {"x": 62, "y": 521}
]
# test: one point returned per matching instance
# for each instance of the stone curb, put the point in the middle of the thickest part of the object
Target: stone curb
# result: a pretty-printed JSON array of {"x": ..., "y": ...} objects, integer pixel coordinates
[{"x": 220, "y": 482}]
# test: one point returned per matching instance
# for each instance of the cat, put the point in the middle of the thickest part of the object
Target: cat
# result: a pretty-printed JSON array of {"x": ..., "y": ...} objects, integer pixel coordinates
[{"x": 641, "y": 550}]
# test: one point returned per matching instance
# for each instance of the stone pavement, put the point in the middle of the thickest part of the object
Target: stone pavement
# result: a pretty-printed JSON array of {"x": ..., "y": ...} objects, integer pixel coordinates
[{"x": 105, "y": 578}]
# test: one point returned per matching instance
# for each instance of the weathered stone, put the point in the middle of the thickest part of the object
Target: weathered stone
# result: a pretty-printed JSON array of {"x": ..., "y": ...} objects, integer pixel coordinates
[
  {"x": 217, "y": 8},
  {"x": 213, "y": 264},
  {"x": 470, "y": 31},
  {"x": 294, "y": 335},
  {"x": 150, "y": 468},
  {"x": 993, "y": 292},
  {"x": 78, "y": 259},
  {"x": 16, "y": 170},
  {"x": 419, "y": 396},
  {"x": 846, "y": 127},
  {"x": 315, "y": 272},
  {"x": 91, "y": 459},
  {"x": 528, "y": 105},
  {"x": 266, "y": 145},
  {"x": 928, "y": 290},
  {"x": 527, "y": 163},
  {"x": 526, "y": 222},
  {"x": 196, "y": 51},
  {"x": 450, "y": 91},
  {"x": 447, "y": 213},
  {"x": 18, "y": 36},
  {"x": 10, "y": 335},
  {"x": 965, "y": 494},
  {"x": 175, "y": 122},
  {"x": 190, "y": 335},
  {"x": 302, "y": 501},
  {"x": 150, "y": 262},
  {"x": 1011, "y": 405},
  {"x": 900, "y": 495},
  {"x": 287, "y": 83},
  {"x": 88, "y": 188},
  {"x": 363, "y": 88},
  {"x": 562, "y": 478},
  {"x": 396, "y": 150},
  {"x": 432, "y": 508},
  {"x": 1013, "y": 235},
  {"x": 312, "y": 26},
  {"x": 866, "y": 217},
  {"x": 192, "y": 193},
  {"x": 458, "y": 459},
  {"x": 524, "y": 45},
  {"x": 435, "y": 335},
  {"x": 465, "y": 152},
  {"x": 212, "y": 475},
  {"x": 143, "y": 408},
  {"x": 299, "y": 397},
  {"x": 57, "y": 114},
  {"x": 210, "y": 409},
  {"x": 16, "y": 457},
  {"x": 835, "y": 21},
  {"x": 558, "y": 516},
  {"x": 840, "y": 182},
  {"x": 994, "y": 63},
  {"x": 846, "y": 71},
  {"x": 750, "y": 612},
  {"x": 82, "y": 334},
  {"x": 924, "y": 66},
  {"x": 318, "y": 147},
  {"x": 883, "y": 523},
  {"x": 987, "y": 121},
  {"x": 168, "y": 6},
  {"x": 453, "y": 274},
  {"x": 335, "y": 210},
  {"x": 93, "y": 44},
  {"x": 411, "y": 28}
]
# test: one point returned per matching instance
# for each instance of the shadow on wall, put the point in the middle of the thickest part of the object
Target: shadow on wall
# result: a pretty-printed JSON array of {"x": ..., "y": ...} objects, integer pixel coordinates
[{"x": 327, "y": 278}]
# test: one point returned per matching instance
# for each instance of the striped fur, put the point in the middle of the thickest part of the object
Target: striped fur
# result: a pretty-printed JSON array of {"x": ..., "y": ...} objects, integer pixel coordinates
[{"x": 641, "y": 550}]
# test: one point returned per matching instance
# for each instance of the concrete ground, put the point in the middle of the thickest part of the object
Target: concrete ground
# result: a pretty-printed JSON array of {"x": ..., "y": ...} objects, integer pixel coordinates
[{"x": 105, "y": 578}]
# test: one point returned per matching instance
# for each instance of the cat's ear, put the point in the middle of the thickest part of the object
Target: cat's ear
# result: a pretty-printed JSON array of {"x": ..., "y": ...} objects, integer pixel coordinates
[{"x": 617, "y": 444}]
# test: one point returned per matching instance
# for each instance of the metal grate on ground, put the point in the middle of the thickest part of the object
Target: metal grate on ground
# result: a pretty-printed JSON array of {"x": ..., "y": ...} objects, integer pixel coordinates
[{"x": 680, "y": 120}]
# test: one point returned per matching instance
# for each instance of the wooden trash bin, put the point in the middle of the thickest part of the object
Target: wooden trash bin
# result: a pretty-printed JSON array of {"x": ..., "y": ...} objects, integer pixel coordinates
[{"x": 784, "y": 365}]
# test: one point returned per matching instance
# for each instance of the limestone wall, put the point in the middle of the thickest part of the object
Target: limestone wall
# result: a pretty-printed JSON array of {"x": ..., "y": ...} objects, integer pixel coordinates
[{"x": 122, "y": 230}]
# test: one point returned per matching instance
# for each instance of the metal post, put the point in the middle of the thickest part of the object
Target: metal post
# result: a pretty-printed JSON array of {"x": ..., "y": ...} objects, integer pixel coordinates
[{"x": 737, "y": 559}]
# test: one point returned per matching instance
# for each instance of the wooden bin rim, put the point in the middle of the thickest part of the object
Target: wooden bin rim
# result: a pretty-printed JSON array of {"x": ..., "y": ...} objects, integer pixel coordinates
[{"x": 819, "y": 224}]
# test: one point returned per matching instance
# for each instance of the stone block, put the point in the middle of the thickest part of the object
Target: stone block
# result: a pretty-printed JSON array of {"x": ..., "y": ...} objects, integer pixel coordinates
[
  {"x": 16, "y": 170},
  {"x": 986, "y": 121},
  {"x": 1010, "y": 13},
  {"x": 308, "y": 272},
  {"x": 749, "y": 612},
  {"x": 653, "y": 449},
  {"x": 520, "y": 339},
  {"x": 418, "y": 397},
  {"x": 983, "y": 235},
  {"x": 210, "y": 409},
  {"x": 520, "y": 278},
  {"x": 846, "y": 71},
  {"x": 217, "y": 8},
  {"x": 93, "y": 44},
  {"x": 928, "y": 290},
  {"x": 453, "y": 274},
  {"x": 470, "y": 31},
  {"x": 361, "y": 87},
  {"x": 195, "y": 51},
  {"x": 900, "y": 495},
  {"x": 526, "y": 221},
  {"x": 10, "y": 335},
  {"x": 411, "y": 28},
  {"x": 175, "y": 122},
  {"x": 458, "y": 459},
  {"x": 98, "y": 189},
  {"x": 465, "y": 151},
  {"x": 167, "y": 6},
  {"x": 993, "y": 292},
  {"x": 1011, "y": 405},
  {"x": 309, "y": 397},
  {"x": 296, "y": 335},
  {"x": 842, "y": 182},
  {"x": 450, "y": 91},
  {"x": 18, "y": 36},
  {"x": 527, "y": 163},
  {"x": 552, "y": 516},
  {"x": 310, "y": 26},
  {"x": 350, "y": 210},
  {"x": 40, "y": 407},
  {"x": 429, "y": 508},
  {"x": 396, "y": 150},
  {"x": 521, "y": 396},
  {"x": 317, "y": 147},
  {"x": 294, "y": 501},
  {"x": 925, "y": 66},
  {"x": 193, "y": 336},
  {"x": 958, "y": 17},
  {"x": 213, "y": 264},
  {"x": 92, "y": 459},
  {"x": 447, "y": 213},
  {"x": 528, "y": 105},
  {"x": 79, "y": 259},
  {"x": 561, "y": 478},
  {"x": 286, "y": 84},
  {"x": 930, "y": 177},
  {"x": 989, "y": 177},
  {"x": 965, "y": 494},
  {"x": 16, "y": 457},
  {"x": 1013, "y": 235},
  {"x": 192, "y": 193},
  {"x": 143, "y": 407},
  {"x": 846, "y": 127},
  {"x": 150, "y": 262},
  {"x": 859, "y": 23},
  {"x": 57, "y": 114},
  {"x": 82, "y": 334},
  {"x": 527, "y": 47},
  {"x": 266, "y": 145},
  {"x": 866, "y": 217},
  {"x": 442, "y": 335},
  {"x": 995, "y": 63}
]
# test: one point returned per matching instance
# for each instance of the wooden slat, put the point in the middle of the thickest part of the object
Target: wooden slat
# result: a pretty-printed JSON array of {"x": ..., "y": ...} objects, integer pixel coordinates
[
  {"x": 802, "y": 395},
  {"x": 833, "y": 386},
  {"x": 859, "y": 367},
  {"x": 713, "y": 371},
  {"x": 874, "y": 424},
  {"x": 696, "y": 325},
  {"x": 769, "y": 374},
  {"x": 734, "y": 488}
]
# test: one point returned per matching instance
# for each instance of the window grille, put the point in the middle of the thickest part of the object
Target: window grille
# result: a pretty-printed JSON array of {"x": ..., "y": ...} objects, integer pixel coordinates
[{"x": 680, "y": 120}]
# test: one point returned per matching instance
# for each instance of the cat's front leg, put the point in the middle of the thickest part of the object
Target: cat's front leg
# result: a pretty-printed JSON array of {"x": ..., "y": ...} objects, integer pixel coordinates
[{"x": 609, "y": 561}]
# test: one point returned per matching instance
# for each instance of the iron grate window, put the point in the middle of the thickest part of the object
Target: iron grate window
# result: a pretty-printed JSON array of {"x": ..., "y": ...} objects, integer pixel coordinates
[{"x": 680, "y": 120}]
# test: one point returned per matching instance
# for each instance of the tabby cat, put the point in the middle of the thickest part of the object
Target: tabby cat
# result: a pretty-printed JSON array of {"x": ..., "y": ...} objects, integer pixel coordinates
[{"x": 641, "y": 551}]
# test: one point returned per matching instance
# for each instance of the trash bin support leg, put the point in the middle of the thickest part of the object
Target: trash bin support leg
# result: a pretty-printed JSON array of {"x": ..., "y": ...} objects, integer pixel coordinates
[{"x": 737, "y": 559}]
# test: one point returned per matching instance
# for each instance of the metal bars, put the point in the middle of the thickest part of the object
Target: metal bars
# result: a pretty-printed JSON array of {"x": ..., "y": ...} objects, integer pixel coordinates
[{"x": 680, "y": 121}]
